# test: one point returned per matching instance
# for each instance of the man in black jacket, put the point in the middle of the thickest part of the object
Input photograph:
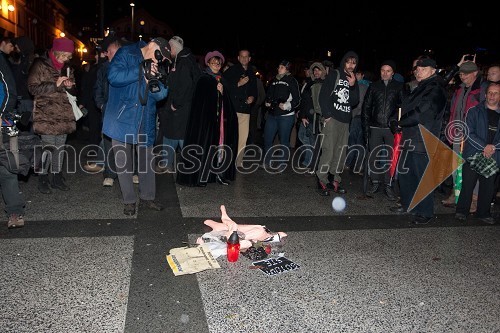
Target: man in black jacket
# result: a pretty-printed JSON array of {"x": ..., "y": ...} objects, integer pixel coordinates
[
  {"x": 381, "y": 103},
  {"x": 242, "y": 86},
  {"x": 423, "y": 106}
]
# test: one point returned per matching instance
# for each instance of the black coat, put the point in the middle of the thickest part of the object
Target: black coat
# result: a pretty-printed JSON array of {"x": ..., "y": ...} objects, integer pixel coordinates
[
  {"x": 182, "y": 78},
  {"x": 198, "y": 161},
  {"x": 239, "y": 95},
  {"x": 424, "y": 106}
]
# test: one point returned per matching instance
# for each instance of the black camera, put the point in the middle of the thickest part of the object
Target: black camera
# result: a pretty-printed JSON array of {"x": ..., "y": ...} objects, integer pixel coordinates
[
  {"x": 161, "y": 75},
  {"x": 9, "y": 120},
  {"x": 275, "y": 103}
]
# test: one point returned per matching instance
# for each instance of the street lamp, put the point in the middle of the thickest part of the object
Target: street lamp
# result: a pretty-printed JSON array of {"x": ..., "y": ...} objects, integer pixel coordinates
[{"x": 132, "y": 5}]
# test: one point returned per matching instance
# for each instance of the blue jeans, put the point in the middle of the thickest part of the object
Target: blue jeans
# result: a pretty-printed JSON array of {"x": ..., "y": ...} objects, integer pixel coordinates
[
  {"x": 168, "y": 151},
  {"x": 282, "y": 125},
  {"x": 14, "y": 203},
  {"x": 307, "y": 138},
  {"x": 415, "y": 164},
  {"x": 109, "y": 158}
]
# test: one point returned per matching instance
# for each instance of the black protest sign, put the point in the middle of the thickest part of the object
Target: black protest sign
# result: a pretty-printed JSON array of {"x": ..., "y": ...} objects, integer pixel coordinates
[{"x": 275, "y": 266}]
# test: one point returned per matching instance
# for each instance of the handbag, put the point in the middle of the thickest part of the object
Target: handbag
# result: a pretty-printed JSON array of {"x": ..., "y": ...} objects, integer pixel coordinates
[
  {"x": 485, "y": 166},
  {"x": 76, "y": 110}
]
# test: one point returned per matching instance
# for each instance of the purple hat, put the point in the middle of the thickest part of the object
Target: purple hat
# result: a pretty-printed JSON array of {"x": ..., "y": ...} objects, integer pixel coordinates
[
  {"x": 212, "y": 54},
  {"x": 63, "y": 44}
]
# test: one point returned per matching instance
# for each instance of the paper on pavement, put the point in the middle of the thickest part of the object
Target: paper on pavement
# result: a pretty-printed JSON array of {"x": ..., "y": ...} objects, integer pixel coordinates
[{"x": 189, "y": 260}]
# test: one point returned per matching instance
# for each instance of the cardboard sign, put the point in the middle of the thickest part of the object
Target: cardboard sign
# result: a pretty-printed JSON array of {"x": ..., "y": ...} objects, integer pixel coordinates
[{"x": 275, "y": 266}]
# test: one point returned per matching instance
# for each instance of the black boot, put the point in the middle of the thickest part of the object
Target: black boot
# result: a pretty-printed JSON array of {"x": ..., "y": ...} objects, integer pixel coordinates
[
  {"x": 373, "y": 189},
  {"x": 58, "y": 182},
  {"x": 389, "y": 193},
  {"x": 43, "y": 184}
]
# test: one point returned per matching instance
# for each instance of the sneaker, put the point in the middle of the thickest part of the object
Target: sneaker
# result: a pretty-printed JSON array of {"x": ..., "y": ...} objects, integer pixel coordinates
[
  {"x": 129, "y": 209},
  {"x": 135, "y": 179},
  {"x": 15, "y": 221},
  {"x": 93, "y": 167},
  {"x": 373, "y": 189},
  {"x": 151, "y": 204},
  {"x": 108, "y": 182},
  {"x": 336, "y": 187},
  {"x": 323, "y": 189}
]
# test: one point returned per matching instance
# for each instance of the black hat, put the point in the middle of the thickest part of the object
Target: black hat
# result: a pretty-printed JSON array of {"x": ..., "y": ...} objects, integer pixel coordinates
[
  {"x": 25, "y": 44},
  {"x": 285, "y": 63},
  {"x": 164, "y": 46},
  {"x": 427, "y": 62},
  {"x": 106, "y": 42},
  {"x": 390, "y": 63}
]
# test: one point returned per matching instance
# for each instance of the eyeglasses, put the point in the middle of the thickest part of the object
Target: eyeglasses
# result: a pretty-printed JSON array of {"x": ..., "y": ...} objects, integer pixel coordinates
[{"x": 214, "y": 63}]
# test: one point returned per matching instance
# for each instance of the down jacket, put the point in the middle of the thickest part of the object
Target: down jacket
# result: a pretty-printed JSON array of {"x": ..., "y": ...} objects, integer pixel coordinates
[
  {"x": 126, "y": 119},
  {"x": 52, "y": 112}
]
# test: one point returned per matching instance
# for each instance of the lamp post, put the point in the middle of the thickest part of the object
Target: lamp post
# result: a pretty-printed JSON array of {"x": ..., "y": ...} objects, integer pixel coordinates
[{"x": 132, "y": 5}]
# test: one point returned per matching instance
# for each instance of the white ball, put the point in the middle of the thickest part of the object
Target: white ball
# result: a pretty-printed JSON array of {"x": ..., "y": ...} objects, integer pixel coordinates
[{"x": 338, "y": 204}]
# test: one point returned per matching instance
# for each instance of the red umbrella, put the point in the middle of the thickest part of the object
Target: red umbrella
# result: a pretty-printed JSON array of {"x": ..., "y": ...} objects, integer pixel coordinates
[{"x": 396, "y": 151}]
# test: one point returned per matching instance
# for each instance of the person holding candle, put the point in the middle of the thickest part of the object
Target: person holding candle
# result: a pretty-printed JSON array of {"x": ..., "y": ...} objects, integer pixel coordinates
[
  {"x": 49, "y": 78},
  {"x": 211, "y": 139}
]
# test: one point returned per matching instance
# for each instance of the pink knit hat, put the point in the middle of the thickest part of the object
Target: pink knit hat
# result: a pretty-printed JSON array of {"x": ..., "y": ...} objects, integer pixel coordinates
[
  {"x": 63, "y": 44},
  {"x": 212, "y": 54}
]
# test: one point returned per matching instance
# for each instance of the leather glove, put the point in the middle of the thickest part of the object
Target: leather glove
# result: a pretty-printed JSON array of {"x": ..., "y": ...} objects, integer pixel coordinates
[{"x": 394, "y": 126}]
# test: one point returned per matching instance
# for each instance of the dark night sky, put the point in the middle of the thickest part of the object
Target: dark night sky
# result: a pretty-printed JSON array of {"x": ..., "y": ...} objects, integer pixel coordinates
[{"x": 275, "y": 30}]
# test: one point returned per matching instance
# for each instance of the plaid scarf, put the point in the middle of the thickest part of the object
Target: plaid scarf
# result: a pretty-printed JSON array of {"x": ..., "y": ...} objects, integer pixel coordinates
[{"x": 484, "y": 166}]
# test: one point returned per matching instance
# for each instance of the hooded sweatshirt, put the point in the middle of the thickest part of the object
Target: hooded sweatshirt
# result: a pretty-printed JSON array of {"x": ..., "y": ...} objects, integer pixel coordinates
[{"x": 337, "y": 100}]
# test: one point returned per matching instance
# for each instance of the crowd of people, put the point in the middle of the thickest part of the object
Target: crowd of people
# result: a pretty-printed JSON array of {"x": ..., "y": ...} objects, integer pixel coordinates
[{"x": 153, "y": 108}]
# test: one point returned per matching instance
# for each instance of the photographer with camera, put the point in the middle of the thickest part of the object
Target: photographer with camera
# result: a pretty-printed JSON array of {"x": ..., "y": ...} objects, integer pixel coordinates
[
  {"x": 136, "y": 84},
  {"x": 9, "y": 185}
]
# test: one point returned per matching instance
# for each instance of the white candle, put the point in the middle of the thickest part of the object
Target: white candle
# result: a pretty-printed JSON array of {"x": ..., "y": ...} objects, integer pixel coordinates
[
  {"x": 399, "y": 114},
  {"x": 67, "y": 71}
]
